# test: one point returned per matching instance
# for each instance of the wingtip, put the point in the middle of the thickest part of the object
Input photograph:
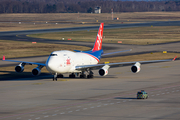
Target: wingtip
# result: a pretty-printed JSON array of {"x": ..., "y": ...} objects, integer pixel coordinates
[
  {"x": 174, "y": 58},
  {"x": 3, "y": 58}
]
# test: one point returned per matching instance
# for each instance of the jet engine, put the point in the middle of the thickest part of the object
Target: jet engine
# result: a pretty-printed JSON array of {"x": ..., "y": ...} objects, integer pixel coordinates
[
  {"x": 20, "y": 68},
  {"x": 104, "y": 70},
  {"x": 36, "y": 71},
  {"x": 136, "y": 67}
]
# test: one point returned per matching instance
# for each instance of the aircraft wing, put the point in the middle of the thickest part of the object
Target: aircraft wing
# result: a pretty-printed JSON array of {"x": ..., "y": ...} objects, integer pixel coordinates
[
  {"x": 120, "y": 64},
  {"x": 116, "y": 52},
  {"x": 24, "y": 62}
]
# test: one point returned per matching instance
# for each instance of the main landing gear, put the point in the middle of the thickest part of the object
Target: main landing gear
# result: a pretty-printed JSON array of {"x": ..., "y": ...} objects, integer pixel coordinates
[
  {"x": 72, "y": 75},
  {"x": 82, "y": 75},
  {"x": 88, "y": 76}
]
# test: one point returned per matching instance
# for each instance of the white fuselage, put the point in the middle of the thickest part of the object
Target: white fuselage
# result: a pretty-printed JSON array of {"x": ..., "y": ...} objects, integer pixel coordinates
[{"x": 65, "y": 61}]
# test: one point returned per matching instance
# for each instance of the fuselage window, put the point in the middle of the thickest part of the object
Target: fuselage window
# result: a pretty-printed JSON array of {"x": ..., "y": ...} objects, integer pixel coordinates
[{"x": 53, "y": 55}]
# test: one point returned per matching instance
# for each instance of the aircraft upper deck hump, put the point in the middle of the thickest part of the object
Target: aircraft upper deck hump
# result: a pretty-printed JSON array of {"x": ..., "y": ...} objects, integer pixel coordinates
[{"x": 98, "y": 42}]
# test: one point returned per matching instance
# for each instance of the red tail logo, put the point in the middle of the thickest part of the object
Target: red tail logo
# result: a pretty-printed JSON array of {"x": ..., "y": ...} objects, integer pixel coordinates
[{"x": 98, "y": 42}]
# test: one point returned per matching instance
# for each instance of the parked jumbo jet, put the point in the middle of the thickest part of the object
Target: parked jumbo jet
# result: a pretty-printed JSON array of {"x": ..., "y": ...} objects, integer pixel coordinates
[{"x": 78, "y": 62}]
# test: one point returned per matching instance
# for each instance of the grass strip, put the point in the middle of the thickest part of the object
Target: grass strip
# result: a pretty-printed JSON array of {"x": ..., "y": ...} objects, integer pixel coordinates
[{"x": 136, "y": 36}]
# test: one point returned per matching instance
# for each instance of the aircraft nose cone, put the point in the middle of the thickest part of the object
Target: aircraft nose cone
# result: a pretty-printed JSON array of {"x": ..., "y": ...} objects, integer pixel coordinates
[{"x": 50, "y": 65}]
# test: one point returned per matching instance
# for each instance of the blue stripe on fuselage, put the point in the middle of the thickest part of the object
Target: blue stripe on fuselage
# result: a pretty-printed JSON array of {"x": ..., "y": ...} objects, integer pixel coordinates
[{"x": 96, "y": 54}]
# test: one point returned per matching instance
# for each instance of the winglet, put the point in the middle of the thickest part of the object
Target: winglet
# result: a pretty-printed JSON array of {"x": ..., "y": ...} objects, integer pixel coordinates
[
  {"x": 174, "y": 58},
  {"x": 3, "y": 58}
]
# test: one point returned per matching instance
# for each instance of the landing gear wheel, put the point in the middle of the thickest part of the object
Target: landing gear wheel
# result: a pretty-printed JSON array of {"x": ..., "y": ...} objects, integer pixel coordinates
[
  {"x": 83, "y": 76},
  {"x": 54, "y": 78},
  {"x": 72, "y": 75},
  {"x": 90, "y": 76},
  {"x": 60, "y": 76}
]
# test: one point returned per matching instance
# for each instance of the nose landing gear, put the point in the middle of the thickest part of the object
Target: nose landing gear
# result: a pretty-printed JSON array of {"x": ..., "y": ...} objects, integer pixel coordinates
[{"x": 57, "y": 76}]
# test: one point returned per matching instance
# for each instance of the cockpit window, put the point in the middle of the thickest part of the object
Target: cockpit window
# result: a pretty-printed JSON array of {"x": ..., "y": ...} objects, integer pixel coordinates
[{"x": 53, "y": 55}]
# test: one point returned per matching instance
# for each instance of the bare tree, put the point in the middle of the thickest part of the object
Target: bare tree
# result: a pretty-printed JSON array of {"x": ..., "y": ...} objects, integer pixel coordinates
[{"x": 74, "y": 6}]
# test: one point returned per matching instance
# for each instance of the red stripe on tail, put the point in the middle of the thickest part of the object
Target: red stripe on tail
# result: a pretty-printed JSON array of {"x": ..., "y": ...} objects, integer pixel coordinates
[{"x": 98, "y": 42}]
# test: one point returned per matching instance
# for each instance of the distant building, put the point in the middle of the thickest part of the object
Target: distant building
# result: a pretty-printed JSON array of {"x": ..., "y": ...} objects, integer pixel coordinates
[{"x": 97, "y": 10}]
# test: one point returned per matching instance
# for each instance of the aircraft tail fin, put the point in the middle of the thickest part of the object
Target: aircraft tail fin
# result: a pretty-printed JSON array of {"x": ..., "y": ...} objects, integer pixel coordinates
[{"x": 98, "y": 43}]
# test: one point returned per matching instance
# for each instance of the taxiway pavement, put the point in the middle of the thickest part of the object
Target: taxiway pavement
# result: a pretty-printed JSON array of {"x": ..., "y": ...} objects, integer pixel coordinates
[{"x": 101, "y": 98}]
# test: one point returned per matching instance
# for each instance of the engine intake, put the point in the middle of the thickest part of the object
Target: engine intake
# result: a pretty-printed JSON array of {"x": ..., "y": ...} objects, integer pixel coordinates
[
  {"x": 136, "y": 67},
  {"x": 104, "y": 70},
  {"x": 20, "y": 68},
  {"x": 36, "y": 71}
]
